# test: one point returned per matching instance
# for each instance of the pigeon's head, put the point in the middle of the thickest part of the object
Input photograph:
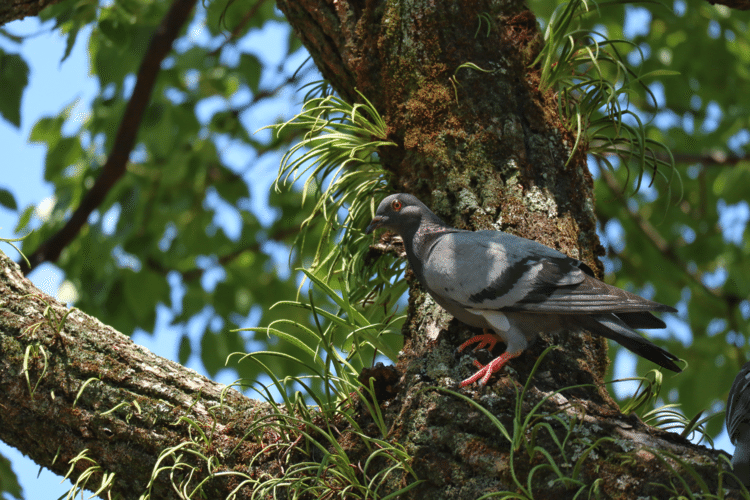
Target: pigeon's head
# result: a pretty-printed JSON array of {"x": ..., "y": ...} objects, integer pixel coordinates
[{"x": 401, "y": 213}]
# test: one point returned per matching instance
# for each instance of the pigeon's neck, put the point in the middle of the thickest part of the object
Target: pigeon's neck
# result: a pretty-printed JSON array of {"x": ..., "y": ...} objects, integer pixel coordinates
[{"x": 421, "y": 241}]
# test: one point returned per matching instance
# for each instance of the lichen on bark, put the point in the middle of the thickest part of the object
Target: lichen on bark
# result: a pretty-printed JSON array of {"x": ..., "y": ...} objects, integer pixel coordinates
[{"x": 480, "y": 144}]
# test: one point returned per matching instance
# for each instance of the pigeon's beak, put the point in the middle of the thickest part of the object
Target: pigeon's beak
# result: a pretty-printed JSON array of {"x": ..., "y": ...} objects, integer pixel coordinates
[{"x": 377, "y": 221}]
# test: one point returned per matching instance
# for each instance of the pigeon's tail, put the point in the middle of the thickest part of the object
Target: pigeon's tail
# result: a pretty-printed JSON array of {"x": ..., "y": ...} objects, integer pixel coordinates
[
  {"x": 614, "y": 328},
  {"x": 643, "y": 319}
]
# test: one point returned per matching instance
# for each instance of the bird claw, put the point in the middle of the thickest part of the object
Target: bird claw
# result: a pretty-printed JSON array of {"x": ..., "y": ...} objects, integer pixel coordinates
[
  {"x": 486, "y": 371},
  {"x": 485, "y": 340},
  {"x": 476, "y": 376}
]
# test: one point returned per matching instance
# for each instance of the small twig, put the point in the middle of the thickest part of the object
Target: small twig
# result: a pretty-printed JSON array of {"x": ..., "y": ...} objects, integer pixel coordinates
[
  {"x": 716, "y": 158},
  {"x": 236, "y": 31}
]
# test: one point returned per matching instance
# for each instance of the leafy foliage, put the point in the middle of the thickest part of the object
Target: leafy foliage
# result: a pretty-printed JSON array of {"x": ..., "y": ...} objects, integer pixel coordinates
[
  {"x": 307, "y": 424},
  {"x": 14, "y": 76},
  {"x": 595, "y": 83},
  {"x": 8, "y": 482},
  {"x": 161, "y": 232},
  {"x": 685, "y": 248},
  {"x": 340, "y": 163},
  {"x": 529, "y": 426}
]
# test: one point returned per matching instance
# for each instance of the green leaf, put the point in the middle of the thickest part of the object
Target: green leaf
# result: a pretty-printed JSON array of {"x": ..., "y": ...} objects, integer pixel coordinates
[
  {"x": 185, "y": 350},
  {"x": 731, "y": 184},
  {"x": 215, "y": 347},
  {"x": 10, "y": 36},
  {"x": 14, "y": 76},
  {"x": 66, "y": 152},
  {"x": 143, "y": 291},
  {"x": 24, "y": 219},
  {"x": 47, "y": 130},
  {"x": 114, "y": 31},
  {"x": 8, "y": 480},
  {"x": 250, "y": 68},
  {"x": 7, "y": 199}
]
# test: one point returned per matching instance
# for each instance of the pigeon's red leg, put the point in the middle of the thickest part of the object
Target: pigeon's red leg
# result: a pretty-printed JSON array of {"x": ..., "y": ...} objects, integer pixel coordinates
[
  {"x": 485, "y": 340},
  {"x": 493, "y": 366}
]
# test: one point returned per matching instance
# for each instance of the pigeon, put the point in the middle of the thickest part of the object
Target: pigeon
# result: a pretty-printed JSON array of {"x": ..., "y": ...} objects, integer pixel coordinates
[
  {"x": 515, "y": 287},
  {"x": 738, "y": 423}
]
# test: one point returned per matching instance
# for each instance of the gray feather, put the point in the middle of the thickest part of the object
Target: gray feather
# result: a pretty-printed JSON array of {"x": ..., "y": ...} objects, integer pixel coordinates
[
  {"x": 738, "y": 423},
  {"x": 738, "y": 403},
  {"x": 515, "y": 286},
  {"x": 613, "y": 328}
]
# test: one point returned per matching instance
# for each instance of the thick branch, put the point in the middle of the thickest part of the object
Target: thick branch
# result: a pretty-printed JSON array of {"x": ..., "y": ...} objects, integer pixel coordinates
[
  {"x": 88, "y": 387},
  {"x": 11, "y": 10},
  {"x": 114, "y": 168}
]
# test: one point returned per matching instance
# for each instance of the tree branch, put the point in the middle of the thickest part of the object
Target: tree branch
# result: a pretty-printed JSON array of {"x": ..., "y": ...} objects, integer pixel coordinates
[
  {"x": 11, "y": 10},
  {"x": 732, "y": 4},
  {"x": 715, "y": 158},
  {"x": 114, "y": 168},
  {"x": 72, "y": 385},
  {"x": 240, "y": 26}
]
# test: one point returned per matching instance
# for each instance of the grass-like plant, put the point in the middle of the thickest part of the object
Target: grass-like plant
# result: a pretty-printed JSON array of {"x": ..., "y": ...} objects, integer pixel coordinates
[
  {"x": 342, "y": 344},
  {"x": 594, "y": 84},
  {"x": 337, "y": 162},
  {"x": 666, "y": 417},
  {"x": 303, "y": 430},
  {"x": 322, "y": 466},
  {"x": 11, "y": 241},
  {"x": 337, "y": 159},
  {"x": 523, "y": 440},
  {"x": 685, "y": 474}
]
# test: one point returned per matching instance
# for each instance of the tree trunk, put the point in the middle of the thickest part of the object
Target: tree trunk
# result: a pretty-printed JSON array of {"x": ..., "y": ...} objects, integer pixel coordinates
[{"x": 483, "y": 149}]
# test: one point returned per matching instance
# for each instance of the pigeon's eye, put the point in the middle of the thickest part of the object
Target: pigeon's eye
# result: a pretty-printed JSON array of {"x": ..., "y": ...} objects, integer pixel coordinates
[{"x": 396, "y": 205}]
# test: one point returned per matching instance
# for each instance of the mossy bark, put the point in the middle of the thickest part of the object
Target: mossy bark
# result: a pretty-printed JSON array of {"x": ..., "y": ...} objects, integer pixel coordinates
[
  {"x": 480, "y": 144},
  {"x": 72, "y": 386}
]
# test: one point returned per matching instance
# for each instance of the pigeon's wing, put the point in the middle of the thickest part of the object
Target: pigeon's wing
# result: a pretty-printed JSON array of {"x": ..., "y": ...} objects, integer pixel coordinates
[
  {"x": 551, "y": 293},
  {"x": 475, "y": 272},
  {"x": 738, "y": 403},
  {"x": 494, "y": 270}
]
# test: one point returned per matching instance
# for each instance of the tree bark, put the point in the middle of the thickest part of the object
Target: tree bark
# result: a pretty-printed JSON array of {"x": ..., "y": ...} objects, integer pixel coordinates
[
  {"x": 72, "y": 385},
  {"x": 10, "y": 10},
  {"x": 483, "y": 149},
  {"x": 732, "y": 4}
]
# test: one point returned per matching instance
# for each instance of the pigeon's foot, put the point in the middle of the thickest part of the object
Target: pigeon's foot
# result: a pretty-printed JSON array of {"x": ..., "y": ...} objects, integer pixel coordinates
[
  {"x": 493, "y": 366},
  {"x": 485, "y": 340}
]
